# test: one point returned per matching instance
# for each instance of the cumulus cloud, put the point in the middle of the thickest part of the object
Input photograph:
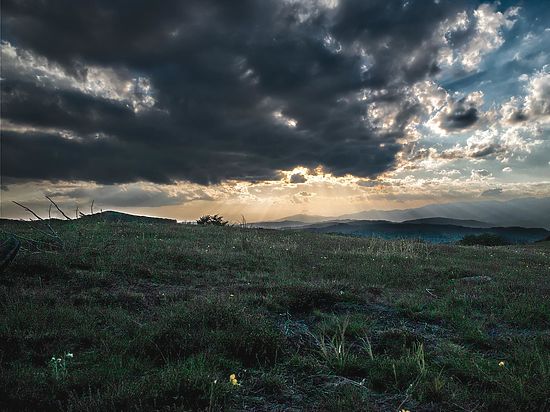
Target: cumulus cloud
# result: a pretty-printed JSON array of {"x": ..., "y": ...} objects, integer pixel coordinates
[
  {"x": 468, "y": 36},
  {"x": 297, "y": 178},
  {"x": 492, "y": 192},
  {"x": 489, "y": 25},
  {"x": 537, "y": 102},
  {"x": 493, "y": 144},
  {"x": 480, "y": 174},
  {"x": 445, "y": 113},
  {"x": 535, "y": 105},
  {"x": 458, "y": 114},
  {"x": 371, "y": 183}
]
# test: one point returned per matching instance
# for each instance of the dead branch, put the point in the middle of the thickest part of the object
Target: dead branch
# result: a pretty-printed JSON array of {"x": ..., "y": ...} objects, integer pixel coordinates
[
  {"x": 57, "y": 207},
  {"x": 28, "y": 210},
  {"x": 52, "y": 233}
]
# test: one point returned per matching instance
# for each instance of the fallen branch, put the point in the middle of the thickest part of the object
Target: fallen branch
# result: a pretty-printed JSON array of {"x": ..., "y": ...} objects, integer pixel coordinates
[
  {"x": 43, "y": 232},
  {"x": 429, "y": 291}
]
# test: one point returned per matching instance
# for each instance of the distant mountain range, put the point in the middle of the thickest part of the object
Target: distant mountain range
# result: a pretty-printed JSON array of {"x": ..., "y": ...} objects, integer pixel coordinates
[
  {"x": 525, "y": 212},
  {"x": 305, "y": 219},
  {"x": 518, "y": 221}
]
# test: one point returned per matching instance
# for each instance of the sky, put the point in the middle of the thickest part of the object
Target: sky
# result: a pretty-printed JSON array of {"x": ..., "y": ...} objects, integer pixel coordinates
[{"x": 271, "y": 108}]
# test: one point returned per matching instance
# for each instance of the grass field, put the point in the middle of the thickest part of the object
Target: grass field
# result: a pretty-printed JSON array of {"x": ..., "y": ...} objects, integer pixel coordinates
[{"x": 157, "y": 317}]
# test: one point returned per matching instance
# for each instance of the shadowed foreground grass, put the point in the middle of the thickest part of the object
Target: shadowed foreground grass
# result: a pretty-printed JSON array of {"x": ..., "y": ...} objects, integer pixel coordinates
[{"x": 157, "y": 317}]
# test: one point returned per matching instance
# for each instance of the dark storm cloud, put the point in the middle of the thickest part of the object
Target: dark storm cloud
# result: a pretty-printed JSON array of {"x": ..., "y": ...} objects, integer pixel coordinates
[
  {"x": 297, "y": 178},
  {"x": 218, "y": 72},
  {"x": 133, "y": 196},
  {"x": 29, "y": 104},
  {"x": 481, "y": 151},
  {"x": 460, "y": 116},
  {"x": 395, "y": 31},
  {"x": 472, "y": 151},
  {"x": 518, "y": 117}
]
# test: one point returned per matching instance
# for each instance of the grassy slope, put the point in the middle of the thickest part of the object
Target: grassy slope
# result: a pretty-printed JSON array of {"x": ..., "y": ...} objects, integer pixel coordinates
[{"x": 158, "y": 317}]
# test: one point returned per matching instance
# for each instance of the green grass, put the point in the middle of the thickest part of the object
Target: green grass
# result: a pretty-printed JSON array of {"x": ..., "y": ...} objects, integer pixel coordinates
[{"x": 159, "y": 316}]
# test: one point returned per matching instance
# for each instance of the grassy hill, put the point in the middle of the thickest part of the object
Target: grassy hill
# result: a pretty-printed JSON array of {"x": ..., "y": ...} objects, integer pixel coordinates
[
  {"x": 119, "y": 217},
  {"x": 158, "y": 316}
]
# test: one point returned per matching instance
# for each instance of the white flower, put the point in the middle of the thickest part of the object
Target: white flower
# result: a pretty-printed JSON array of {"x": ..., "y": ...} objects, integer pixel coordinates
[{"x": 69, "y": 355}]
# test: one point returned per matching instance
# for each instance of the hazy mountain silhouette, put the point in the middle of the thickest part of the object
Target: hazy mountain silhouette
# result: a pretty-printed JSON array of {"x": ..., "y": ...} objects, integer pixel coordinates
[
  {"x": 525, "y": 212},
  {"x": 302, "y": 218},
  {"x": 447, "y": 221},
  {"x": 518, "y": 220}
]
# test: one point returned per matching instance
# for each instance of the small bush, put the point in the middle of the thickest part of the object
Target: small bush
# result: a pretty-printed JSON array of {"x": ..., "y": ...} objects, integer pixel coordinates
[
  {"x": 483, "y": 239},
  {"x": 214, "y": 220}
]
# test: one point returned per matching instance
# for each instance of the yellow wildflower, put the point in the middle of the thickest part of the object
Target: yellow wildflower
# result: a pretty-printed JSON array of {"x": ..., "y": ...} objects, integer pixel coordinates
[{"x": 233, "y": 379}]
